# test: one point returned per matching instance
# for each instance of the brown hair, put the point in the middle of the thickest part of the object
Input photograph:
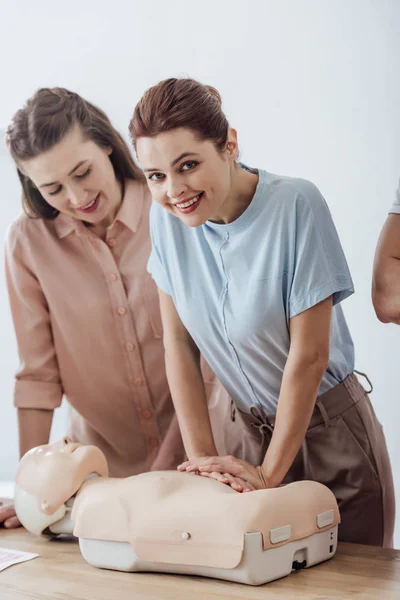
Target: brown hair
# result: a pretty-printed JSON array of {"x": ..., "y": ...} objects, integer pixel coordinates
[
  {"x": 43, "y": 122},
  {"x": 176, "y": 103}
]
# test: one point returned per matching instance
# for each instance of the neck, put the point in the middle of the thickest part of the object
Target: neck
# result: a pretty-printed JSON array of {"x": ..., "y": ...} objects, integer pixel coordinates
[
  {"x": 100, "y": 229},
  {"x": 243, "y": 188},
  {"x": 66, "y": 524}
]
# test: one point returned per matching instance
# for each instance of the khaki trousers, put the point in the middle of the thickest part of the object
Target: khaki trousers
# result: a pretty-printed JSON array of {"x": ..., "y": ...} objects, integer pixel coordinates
[{"x": 344, "y": 448}]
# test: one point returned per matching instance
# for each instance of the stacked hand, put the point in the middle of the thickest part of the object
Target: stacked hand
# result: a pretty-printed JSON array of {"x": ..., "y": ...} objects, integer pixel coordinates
[
  {"x": 8, "y": 518},
  {"x": 237, "y": 473}
]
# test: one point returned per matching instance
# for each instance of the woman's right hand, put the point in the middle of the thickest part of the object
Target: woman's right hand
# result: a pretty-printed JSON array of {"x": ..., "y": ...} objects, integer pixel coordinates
[
  {"x": 8, "y": 518},
  {"x": 236, "y": 483}
]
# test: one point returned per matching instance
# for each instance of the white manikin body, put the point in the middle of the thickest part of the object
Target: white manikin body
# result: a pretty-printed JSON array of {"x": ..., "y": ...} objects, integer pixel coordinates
[{"x": 174, "y": 522}]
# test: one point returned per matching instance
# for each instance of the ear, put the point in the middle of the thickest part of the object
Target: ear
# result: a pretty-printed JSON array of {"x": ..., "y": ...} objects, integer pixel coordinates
[
  {"x": 109, "y": 150},
  {"x": 232, "y": 147}
]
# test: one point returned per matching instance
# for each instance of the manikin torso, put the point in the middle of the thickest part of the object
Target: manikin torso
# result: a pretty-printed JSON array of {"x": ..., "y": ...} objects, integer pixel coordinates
[{"x": 166, "y": 518}]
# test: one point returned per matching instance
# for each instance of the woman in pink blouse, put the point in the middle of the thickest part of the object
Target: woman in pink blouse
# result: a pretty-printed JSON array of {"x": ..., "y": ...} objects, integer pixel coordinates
[{"x": 85, "y": 310}]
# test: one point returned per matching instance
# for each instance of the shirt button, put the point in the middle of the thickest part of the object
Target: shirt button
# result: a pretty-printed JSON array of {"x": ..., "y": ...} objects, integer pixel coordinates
[
  {"x": 121, "y": 310},
  {"x": 112, "y": 242},
  {"x": 129, "y": 346},
  {"x": 137, "y": 381},
  {"x": 113, "y": 277},
  {"x": 153, "y": 442},
  {"x": 146, "y": 414}
]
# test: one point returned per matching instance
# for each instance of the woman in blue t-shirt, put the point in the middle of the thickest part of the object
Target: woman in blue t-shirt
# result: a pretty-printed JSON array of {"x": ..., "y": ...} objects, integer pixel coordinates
[{"x": 251, "y": 274}]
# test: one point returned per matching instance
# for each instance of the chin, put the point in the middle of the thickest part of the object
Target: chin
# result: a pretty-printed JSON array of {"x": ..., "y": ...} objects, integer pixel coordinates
[{"x": 194, "y": 221}]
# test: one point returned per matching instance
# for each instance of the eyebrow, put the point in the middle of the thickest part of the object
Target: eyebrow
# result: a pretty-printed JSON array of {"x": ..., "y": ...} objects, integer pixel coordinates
[
  {"x": 70, "y": 173},
  {"x": 176, "y": 160}
]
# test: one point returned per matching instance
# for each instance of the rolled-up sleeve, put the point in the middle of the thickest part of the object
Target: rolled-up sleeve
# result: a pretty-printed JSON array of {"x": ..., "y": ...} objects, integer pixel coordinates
[{"x": 38, "y": 384}]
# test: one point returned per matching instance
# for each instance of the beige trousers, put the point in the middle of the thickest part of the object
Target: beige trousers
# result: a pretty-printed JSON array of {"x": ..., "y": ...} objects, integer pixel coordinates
[{"x": 344, "y": 448}]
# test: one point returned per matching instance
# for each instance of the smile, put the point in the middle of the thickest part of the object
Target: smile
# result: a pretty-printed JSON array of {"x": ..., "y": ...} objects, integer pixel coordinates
[
  {"x": 190, "y": 205},
  {"x": 91, "y": 206}
]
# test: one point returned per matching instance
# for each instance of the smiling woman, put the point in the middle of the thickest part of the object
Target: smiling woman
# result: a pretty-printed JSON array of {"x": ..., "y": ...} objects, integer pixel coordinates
[
  {"x": 85, "y": 310},
  {"x": 90, "y": 191},
  {"x": 49, "y": 116},
  {"x": 251, "y": 273}
]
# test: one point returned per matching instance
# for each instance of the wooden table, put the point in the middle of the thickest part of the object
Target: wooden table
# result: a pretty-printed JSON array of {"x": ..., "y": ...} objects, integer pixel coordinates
[{"x": 60, "y": 573}]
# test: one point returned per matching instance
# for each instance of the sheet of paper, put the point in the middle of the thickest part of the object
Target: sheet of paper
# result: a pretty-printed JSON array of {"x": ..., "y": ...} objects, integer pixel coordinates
[{"x": 10, "y": 557}]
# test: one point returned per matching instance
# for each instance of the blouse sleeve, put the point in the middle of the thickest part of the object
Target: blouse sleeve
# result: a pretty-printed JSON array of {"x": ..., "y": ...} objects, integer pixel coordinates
[{"x": 38, "y": 382}]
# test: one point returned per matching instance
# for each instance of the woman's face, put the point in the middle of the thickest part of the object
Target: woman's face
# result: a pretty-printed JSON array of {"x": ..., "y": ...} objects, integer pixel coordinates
[
  {"x": 189, "y": 177},
  {"x": 77, "y": 178}
]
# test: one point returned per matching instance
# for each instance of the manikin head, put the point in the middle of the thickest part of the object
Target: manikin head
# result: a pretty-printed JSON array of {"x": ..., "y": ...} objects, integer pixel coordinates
[{"x": 48, "y": 476}]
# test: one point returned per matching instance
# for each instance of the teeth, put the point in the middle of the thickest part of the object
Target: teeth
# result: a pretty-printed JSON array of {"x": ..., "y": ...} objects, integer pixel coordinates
[
  {"x": 188, "y": 203},
  {"x": 89, "y": 205}
]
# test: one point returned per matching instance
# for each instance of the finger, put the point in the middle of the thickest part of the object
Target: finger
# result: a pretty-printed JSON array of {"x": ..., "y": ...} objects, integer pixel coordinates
[
  {"x": 194, "y": 463},
  {"x": 219, "y": 462},
  {"x": 6, "y": 512},
  {"x": 235, "y": 483},
  {"x": 223, "y": 466},
  {"x": 247, "y": 486},
  {"x": 183, "y": 466},
  {"x": 12, "y": 523},
  {"x": 222, "y": 460},
  {"x": 215, "y": 466},
  {"x": 216, "y": 476},
  {"x": 219, "y": 477}
]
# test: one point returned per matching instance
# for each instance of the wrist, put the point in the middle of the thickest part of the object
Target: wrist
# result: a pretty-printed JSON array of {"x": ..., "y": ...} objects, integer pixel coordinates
[{"x": 269, "y": 480}]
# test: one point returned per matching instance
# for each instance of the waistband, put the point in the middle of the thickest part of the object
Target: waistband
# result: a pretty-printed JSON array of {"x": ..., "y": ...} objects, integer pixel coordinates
[{"x": 327, "y": 406}]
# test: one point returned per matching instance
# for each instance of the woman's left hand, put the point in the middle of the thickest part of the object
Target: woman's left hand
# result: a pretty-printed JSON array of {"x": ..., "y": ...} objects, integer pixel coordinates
[{"x": 227, "y": 464}]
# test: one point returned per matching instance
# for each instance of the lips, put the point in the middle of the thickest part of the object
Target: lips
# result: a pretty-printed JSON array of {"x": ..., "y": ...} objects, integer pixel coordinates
[
  {"x": 189, "y": 205},
  {"x": 90, "y": 206}
]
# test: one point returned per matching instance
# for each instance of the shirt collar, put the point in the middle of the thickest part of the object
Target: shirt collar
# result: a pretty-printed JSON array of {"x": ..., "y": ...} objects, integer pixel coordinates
[{"x": 130, "y": 211}]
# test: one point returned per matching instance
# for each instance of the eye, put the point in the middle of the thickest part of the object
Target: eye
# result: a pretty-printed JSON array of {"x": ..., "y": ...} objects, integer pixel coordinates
[
  {"x": 85, "y": 174},
  {"x": 189, "y": 165},
  {"x": 58, "y": 189},
  {"x": 156, "y": 176}
]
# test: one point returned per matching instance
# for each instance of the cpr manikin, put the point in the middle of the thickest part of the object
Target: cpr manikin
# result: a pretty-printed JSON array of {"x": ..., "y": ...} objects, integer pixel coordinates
[{"x": 173, "y": 522}]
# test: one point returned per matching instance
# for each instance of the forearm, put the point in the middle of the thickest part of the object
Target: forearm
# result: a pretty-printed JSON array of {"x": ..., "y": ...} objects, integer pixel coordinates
[
  {"x": 300, "y": 384},
  {"x": 34, "y": 427},
  {"x": 386, "y": 289},
  {"x": 189, "y": 398},
  {"x": 386, "y": 276}
]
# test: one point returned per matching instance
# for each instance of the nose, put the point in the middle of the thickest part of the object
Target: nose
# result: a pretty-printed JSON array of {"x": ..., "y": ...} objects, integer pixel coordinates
[
  {"x": 64, "y": 445},
  {"x": 175, "y": 188},
  {"x": 76, "y": 196}
]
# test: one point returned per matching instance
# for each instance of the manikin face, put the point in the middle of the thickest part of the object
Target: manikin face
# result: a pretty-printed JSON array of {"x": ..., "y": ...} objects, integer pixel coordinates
[
  {"x": 77, "y": 178},
  {"x": 189, "y": 177},
  {"x": 48, "y": 476}
]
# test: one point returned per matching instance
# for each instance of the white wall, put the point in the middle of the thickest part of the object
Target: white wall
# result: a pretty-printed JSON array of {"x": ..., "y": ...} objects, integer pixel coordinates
[{"x": 312, "y": 86}]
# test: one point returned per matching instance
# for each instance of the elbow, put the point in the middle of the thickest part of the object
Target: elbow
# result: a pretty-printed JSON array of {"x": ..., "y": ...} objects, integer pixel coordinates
[
  {"x": 320, "y": 363},
  {"x": 384, "y": 307},
  {"x": 313, "y": 364}
]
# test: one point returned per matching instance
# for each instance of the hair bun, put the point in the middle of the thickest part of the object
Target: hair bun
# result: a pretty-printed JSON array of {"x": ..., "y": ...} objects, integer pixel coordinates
[{"x": 214, "y": 93}]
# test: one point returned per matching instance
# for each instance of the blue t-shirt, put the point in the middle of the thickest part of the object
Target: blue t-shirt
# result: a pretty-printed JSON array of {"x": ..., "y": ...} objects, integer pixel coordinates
[{"x": 236, "y": 286}]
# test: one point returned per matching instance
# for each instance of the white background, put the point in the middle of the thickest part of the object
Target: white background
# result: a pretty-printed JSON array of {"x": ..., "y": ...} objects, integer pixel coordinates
[{"x": 312, "y": 86}]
